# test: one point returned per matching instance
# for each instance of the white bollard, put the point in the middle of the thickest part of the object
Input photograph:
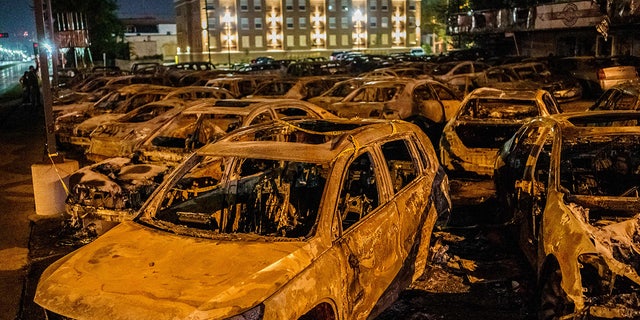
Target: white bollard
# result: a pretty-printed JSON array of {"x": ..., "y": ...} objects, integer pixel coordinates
[{"x": 48, "y": 191}]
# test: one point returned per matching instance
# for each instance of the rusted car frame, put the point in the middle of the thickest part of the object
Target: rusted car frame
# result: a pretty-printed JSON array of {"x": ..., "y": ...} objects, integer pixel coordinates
[
  {"x": 487, "y": 119},
  {"x": 569, "y": 183},
  {"x": 310, "y": 219}
]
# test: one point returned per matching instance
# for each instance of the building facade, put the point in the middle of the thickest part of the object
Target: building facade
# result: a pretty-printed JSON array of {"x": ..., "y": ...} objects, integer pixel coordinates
[
  {"x": 223, "y": 31},
  {"x": 560, "y": 28}
]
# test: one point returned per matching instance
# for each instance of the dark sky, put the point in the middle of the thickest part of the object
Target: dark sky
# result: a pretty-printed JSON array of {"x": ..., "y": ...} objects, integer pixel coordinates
[{"x": 16, "y": 16}]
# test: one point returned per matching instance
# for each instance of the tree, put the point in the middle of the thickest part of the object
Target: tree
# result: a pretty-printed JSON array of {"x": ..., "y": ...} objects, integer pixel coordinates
[{"x": 106, "y": 32}]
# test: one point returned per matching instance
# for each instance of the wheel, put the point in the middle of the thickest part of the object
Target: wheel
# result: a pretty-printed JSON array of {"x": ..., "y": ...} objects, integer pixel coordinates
[{"x": 553, "y": 300}]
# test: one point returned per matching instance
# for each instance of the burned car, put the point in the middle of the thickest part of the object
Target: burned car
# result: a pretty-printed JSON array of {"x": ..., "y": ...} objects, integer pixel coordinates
[
  {"x": 108, "y": 191},
  {"x": 487, "y": 119},
  {"x": 563, "y": 86},
  {"x": 569, "y": 184},
  {"x": 623, "y": 96},
  {"x": 426, "y": 103},
  {"x": 310, "y": 219},
  {"x": 302, "y": 88},
  {"x": 119, "y": 138}
]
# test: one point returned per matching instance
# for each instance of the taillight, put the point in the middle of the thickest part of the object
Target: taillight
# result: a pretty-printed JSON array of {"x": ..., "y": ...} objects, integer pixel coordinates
[{"x": 601, "y": 75}]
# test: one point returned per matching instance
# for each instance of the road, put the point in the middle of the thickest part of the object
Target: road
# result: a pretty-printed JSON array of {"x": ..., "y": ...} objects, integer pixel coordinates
[{"x": 10, "y": 75}]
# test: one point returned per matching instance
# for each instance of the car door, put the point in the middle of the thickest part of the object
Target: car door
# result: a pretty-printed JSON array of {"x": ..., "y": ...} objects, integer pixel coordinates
[
  {"x": 531, "y": 193},
  {"x": 369, "y": 235},
  {"x": 448, "y": 99}
]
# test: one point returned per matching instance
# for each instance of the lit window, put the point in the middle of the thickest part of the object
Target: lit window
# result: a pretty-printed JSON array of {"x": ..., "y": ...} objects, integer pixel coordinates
[
  {"x": 244, "y": 23},
  {"x": 384, "y": 22},
  {"x": 332, "y": 5},
  {"x": 344, "y": 23},
  {"x": 332, "y": 22},
  {"x": 373, "y": 22},
  {"x": 302, "y": 23}
]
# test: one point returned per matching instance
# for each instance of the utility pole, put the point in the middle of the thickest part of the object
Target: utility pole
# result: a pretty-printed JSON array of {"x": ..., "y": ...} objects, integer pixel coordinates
[{"x": 46, "y": 83}]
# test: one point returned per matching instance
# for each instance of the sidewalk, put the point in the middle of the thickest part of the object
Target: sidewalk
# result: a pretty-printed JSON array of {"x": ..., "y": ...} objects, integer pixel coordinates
[{"x": 22, "y": 141}]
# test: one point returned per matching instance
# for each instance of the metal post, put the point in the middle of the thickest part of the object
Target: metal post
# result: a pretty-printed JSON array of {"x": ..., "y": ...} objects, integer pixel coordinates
[
  {"x": 206, "y": 14},
  {"x": 50, "y": 146}
]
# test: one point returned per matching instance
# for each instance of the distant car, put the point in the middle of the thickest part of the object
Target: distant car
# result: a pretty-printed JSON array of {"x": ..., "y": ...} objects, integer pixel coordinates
[
  {"x": 569, "y": 184},
  {"x": 338, "y": 92},
  {"x": 487, "y": 119},
  {"x": 121, "y": 137},
  {"x": 280, "y": 221},
  {"x": 418, "y": 52},
  {"x": 109, "y": 191},
  {"x": 459, "y": 74},
  {"x": 563, "y": 87},
  {"x": 597, "y": 74},
  {"x": 301, "y": 88},
  {"x": 625, "y": 96},
  {"x": 426, "y": 103}
]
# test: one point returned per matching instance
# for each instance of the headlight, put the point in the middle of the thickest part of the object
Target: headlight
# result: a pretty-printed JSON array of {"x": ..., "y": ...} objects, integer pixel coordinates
[{"x": 254, "y": 313}]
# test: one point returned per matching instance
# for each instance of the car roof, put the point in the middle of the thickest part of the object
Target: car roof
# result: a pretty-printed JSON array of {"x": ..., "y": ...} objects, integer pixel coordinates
[
  {"x": 329, "y": 139},
  {"x": 589, "y": 123},
  {"x": 243, "y": 106},
  {"x": 505, "y": 93}
]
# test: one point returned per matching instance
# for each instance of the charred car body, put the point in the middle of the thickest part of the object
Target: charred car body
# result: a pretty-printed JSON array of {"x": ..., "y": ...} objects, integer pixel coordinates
[
  {"x": 625, "y": 96},
  {"x": 569, "y": 183},
  {"x": 259, "y": 220},
  {"x": 109, "y": 191},
  {"x": 487, "y": 119},
  {"x": 426, "y": 103}
]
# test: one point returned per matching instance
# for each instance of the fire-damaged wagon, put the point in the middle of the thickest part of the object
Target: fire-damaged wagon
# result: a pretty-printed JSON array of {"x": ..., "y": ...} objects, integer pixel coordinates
[
  {"x": 570, "y": 183},
  {"x": 308, "y": 219}
]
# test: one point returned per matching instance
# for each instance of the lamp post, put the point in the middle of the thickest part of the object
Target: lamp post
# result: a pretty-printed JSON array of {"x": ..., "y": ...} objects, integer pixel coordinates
[
  {"x": 206, "y": 25},
  {"x": 226, "y": 19}
]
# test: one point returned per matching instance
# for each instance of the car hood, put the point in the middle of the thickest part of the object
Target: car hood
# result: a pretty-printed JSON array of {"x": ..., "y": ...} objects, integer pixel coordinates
[
  {"x": 135, "y": 272},
  {"x": 93, "y": 122}
]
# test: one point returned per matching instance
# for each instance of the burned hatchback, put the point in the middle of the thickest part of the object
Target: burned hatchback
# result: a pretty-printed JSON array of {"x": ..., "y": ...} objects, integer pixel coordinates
[
  {"x": 309, "y": 219},
  {"x": 570, "y": 183}
]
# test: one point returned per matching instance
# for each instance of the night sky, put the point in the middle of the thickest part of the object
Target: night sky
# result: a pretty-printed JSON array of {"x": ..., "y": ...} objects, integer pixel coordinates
[{"x": 16, "y": 16}]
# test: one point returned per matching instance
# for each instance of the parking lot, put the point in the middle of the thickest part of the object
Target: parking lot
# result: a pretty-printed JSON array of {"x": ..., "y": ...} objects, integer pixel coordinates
[{"x": 475, "y": 270}]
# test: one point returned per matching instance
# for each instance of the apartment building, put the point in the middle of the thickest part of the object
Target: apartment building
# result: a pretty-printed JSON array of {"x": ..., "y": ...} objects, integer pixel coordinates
[{"x": 238, "y": 30}]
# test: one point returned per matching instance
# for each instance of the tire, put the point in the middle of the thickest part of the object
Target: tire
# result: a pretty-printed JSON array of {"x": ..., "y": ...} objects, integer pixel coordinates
[{"x": 553, "y": 302}]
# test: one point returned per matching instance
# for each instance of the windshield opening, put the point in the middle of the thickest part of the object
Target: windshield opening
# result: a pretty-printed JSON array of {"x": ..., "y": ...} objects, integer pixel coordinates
[{"x": 261, "y": 197}]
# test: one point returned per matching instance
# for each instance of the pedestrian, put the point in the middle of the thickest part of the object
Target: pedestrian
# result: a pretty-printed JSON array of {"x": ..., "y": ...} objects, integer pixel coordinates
[
  {"x": 25, "y": 88},
  {"x": 33, "y": 86}
]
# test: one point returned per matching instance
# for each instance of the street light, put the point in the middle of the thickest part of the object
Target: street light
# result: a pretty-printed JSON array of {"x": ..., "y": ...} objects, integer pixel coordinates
[{"x": 227, "y": 19}]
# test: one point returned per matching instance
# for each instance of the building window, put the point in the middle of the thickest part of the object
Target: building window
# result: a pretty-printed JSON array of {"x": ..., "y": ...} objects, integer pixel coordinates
[
  {"x": 244, "y": 6},
  {"x": 257, "y": 5},
  {"x": 332, "y": 22},
  {"x": 258, "y": 23},
  {"x": 345, "y": 8},
  {"x": 384, "y": 6},
  {"x": 344, "y": 22},
  {"x": 412, "y": 5},
  {"x": 344, "y": 40},
  {"x": 291, "y": 41},
  {"x": 289, "y": 5},
  {"x": 302, "y": 23},
  {"x": 384, "y": 22},
  {"x": 302, "y": 5},
  {"x": 332, "y": 5},
  {"x": 411, "y": 23},
  {"x": 373, "y": 6},
  {"x": 258, "y": 41},
  {"x": 332, "y": 40},
  {"x": 244, "y": 23},
  {"x": 302, "y": 41},
  {"x": 246, "y": 42},
  {"x": 213, "y": 22},
  {"x": 289, "y": 22},
  {"x": 373, "y": 22}
]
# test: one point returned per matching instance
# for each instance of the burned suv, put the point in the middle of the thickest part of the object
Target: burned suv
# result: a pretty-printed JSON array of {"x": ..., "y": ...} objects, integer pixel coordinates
[
  {"x": 570, "y": 183},
  {"x": 309, "y": 219}
]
